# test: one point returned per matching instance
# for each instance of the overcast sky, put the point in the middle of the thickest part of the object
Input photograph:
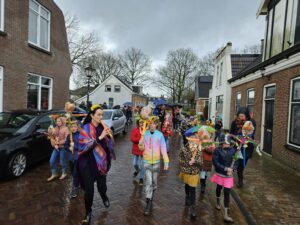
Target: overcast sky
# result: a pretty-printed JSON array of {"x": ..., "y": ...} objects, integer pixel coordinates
[{"x": 157, "y": 26}]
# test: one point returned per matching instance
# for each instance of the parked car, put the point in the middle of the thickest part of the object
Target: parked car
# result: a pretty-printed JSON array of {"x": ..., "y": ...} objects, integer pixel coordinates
[
  {"x": 23, "y": 140},
  {"x": 115, "y": 120}
]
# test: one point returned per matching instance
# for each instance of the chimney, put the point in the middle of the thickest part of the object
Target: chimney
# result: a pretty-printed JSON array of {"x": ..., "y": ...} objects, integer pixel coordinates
[{"x": 262, "y": 43}]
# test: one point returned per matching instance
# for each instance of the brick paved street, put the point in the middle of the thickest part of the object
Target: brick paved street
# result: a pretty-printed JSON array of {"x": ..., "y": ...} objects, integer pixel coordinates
[{"x": 31, "y": 200}]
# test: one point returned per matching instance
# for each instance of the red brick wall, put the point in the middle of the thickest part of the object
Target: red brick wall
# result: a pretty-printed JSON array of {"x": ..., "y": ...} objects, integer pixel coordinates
[
  {"x": 18, "y": 58},
  {"x": 282, "y": 80}
]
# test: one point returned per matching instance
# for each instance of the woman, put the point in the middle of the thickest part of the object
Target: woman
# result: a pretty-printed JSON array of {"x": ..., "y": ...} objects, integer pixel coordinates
[
  {"x": 236, "y": 129},
  {"x": 95, "y": 154}
]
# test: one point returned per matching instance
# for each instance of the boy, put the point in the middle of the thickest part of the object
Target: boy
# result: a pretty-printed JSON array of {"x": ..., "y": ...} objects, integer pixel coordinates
[
  {"x": 154, "y": 145},
  {"x": 72, "y": 149}
]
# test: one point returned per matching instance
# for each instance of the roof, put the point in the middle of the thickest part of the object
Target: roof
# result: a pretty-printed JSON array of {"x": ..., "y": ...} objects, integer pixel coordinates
[
  {"x": 240, "y": 61},
  {"x": 263, "y": 8},
  {"x": 262, "y": 64},
  {"x": 204, "y": 84},
  {"x": 81, "y": 91},
  {"x": 127, "y": 85}
]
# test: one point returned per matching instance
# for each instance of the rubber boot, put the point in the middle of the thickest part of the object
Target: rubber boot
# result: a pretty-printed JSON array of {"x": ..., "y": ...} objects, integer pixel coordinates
[
  {"x": 148, "y": 207},
  {"x": 227, "y": 218},
  {"x": 218, "y": 205}
]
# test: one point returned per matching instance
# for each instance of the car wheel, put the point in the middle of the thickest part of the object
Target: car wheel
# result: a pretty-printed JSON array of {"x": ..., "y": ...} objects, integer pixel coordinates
[
  {"x": 17, "y": 164},
  {"x": 125, "y": 131}
]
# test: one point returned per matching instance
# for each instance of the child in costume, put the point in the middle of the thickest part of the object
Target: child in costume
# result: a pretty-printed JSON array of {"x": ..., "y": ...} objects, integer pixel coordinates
[
  {"x": 72, "y": 148},
  {"x": 58, "y": 137},
  {"x": 153, "y": 146},
  {"x": 224, "y": 163},
  {"x": 189, "y": 174},
  {"x": 167, "y": 132},
  {"x": 138, "y": 162}
]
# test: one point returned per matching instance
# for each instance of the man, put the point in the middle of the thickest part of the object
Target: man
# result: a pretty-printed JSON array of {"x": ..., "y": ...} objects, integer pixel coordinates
[
  {"x": 154, "y": 146},
  {"x": 104, "y": 106}
]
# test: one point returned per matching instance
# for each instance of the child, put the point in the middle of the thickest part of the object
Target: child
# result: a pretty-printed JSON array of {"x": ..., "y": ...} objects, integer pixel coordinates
[
  {"x": 224, "y": 163},
  {"x": 153, "y": 145},
  {"x": 72, "y": 149},
  {"x": 167, "y": 132},
  {"x": 58, "y": 139},
  {"x": 189, "y": 174},
  {"x": 138, "y": 162}
]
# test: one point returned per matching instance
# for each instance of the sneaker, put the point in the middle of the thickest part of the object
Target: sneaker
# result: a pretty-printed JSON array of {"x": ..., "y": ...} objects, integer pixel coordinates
[
  {"x": 74, "y": 192},
  {"x": 53, "y": 176},
  {"x": 87, "y": 219},
  {"x": 141, "y": 183},
  {"x": 63, "y": 176}
]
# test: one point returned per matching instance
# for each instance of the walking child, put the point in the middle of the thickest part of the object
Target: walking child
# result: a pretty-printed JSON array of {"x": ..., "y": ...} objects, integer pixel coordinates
[
  {"x": 167, "y": 132},
  {"x": 58, "y": 137},
  {"x": 138, "y": 162},
  {"x": 224, "y": 163},
  {"x": 154, "y": 145},
  {"x": 72, "y": 148}
]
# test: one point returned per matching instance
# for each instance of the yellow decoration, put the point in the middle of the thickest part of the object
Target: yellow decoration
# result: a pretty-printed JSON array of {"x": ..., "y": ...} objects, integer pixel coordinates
[{"x": 95, "y": 106}]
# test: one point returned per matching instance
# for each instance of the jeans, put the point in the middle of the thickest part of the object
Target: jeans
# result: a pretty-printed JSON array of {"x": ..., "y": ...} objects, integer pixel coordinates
[
  {"x": 138, "y": 161},
  {"x": 151, "y": 174},
  {"x": 61, "y": 152},
  {"x": 74, "y": 172}
]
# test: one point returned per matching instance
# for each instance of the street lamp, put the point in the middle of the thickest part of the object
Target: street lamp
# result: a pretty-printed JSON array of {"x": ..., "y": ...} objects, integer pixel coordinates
[{"x": 89, "y": 73}]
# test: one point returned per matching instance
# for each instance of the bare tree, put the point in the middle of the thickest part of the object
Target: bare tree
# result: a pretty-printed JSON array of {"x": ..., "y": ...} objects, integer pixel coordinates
[
  {"x": 135, "y": 66},
  {"x": 248, "y": 49},
  {"x": 104, "y": 63},
  {"x": 80, "y": 45},
  {"x": 181, "y": 67}
]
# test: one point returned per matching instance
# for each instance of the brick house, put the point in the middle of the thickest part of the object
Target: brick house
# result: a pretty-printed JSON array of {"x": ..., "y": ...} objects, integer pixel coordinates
[
  {"x": 202, "y": 86},
  {"x": 227, "y": 65},
  {"x": 271, "y": 87},
  {"x": 35, "y": 62}
]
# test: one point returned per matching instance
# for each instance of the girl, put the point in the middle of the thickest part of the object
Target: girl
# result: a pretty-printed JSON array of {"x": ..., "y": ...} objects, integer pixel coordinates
[
  {"x": 138, "y": 162},
  {"x": 167, "y": 132},
  {"x": 72, "y": 148},
  {"x": 224, "y": 163},
  {"x": 94, "y": 158},
  {"x": 58, "y": 137}
]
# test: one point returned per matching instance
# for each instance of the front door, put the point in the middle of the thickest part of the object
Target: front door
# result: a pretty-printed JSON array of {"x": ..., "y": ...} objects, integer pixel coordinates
[{"x": 268, "y": 120}]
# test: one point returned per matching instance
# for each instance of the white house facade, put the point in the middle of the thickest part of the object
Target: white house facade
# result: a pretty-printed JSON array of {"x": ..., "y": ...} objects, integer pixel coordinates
[
  {"x": 112, "y": 91},
  {"x": 220, "y": 93}
]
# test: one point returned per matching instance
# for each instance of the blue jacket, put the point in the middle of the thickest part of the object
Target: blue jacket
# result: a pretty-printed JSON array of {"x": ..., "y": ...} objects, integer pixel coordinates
[
  {"x": 75, "y": 140},
  {"x": 223, "y": 157}
]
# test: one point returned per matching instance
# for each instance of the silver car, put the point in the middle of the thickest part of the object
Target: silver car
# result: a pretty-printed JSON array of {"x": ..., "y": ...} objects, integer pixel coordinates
[{"x": 115, "y": 120}]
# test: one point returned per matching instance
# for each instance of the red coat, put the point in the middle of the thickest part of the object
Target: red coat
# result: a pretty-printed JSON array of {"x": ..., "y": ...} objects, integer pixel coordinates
[
  {"x": 165, "y": 133},
  {"x": 135, "y": 137}
]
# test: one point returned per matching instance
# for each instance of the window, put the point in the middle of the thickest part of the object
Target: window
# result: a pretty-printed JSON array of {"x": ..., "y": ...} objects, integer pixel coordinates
[
  {"x": 39, "y": 92},
  {"x": 238, "y": 101},
  {"x": 45, "y": 122},
  {"x": 107, "y": 88},
  {"x": 250, "y": 99},
  {"x": 219, "y": 106},
  {"x": 290, "y": 23},
  {"x": 117, "y": 88},
  {"x": 294, "y": 133},
  {"x": 1, "y": 15},
  {"x": 220, "y": 75},
  {"x": 39, "y": 25},
  {"x": 269, "y": 33},
  {"x": 278, "y": 27},
  {"x": 110, "y": 102}
]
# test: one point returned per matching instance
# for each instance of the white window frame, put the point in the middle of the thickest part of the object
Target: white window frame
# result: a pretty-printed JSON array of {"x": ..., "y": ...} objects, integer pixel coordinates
[
  {"x": 115, "y": 88},
  {"x": 106, "y": 88},
  {"x": 2, "y": 5},
  {"x": 235, "y": 105},
  {"x": 290, "y": 108},
  {"x": 39, "y": 27},
  {"x": 40, "y": 85},
  {"x": 247, "y": 101}
]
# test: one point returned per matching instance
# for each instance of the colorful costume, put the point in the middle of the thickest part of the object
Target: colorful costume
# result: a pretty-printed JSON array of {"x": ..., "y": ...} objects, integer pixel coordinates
[{"x": 94, "y": 162}]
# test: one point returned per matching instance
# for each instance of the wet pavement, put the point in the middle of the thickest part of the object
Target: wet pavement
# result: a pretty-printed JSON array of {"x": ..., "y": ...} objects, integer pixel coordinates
[
  {"x": 271, "y": 192},
  {"x": 32, "y": 200}
]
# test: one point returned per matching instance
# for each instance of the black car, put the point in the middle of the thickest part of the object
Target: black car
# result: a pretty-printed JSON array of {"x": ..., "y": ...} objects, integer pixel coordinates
[{"x": 23, "y": 140}]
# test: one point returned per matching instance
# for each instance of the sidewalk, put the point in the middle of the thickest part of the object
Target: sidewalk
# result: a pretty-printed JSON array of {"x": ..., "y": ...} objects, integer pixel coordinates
[{"x": 271, "y": 192}]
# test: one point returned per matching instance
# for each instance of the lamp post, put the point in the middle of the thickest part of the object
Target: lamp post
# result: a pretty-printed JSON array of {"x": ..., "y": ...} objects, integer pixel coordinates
[{"x": 89, "y": 73}]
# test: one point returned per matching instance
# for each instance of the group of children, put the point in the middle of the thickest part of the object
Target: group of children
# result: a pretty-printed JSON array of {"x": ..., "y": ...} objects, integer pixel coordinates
[{"x": 148, "y": 145}]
